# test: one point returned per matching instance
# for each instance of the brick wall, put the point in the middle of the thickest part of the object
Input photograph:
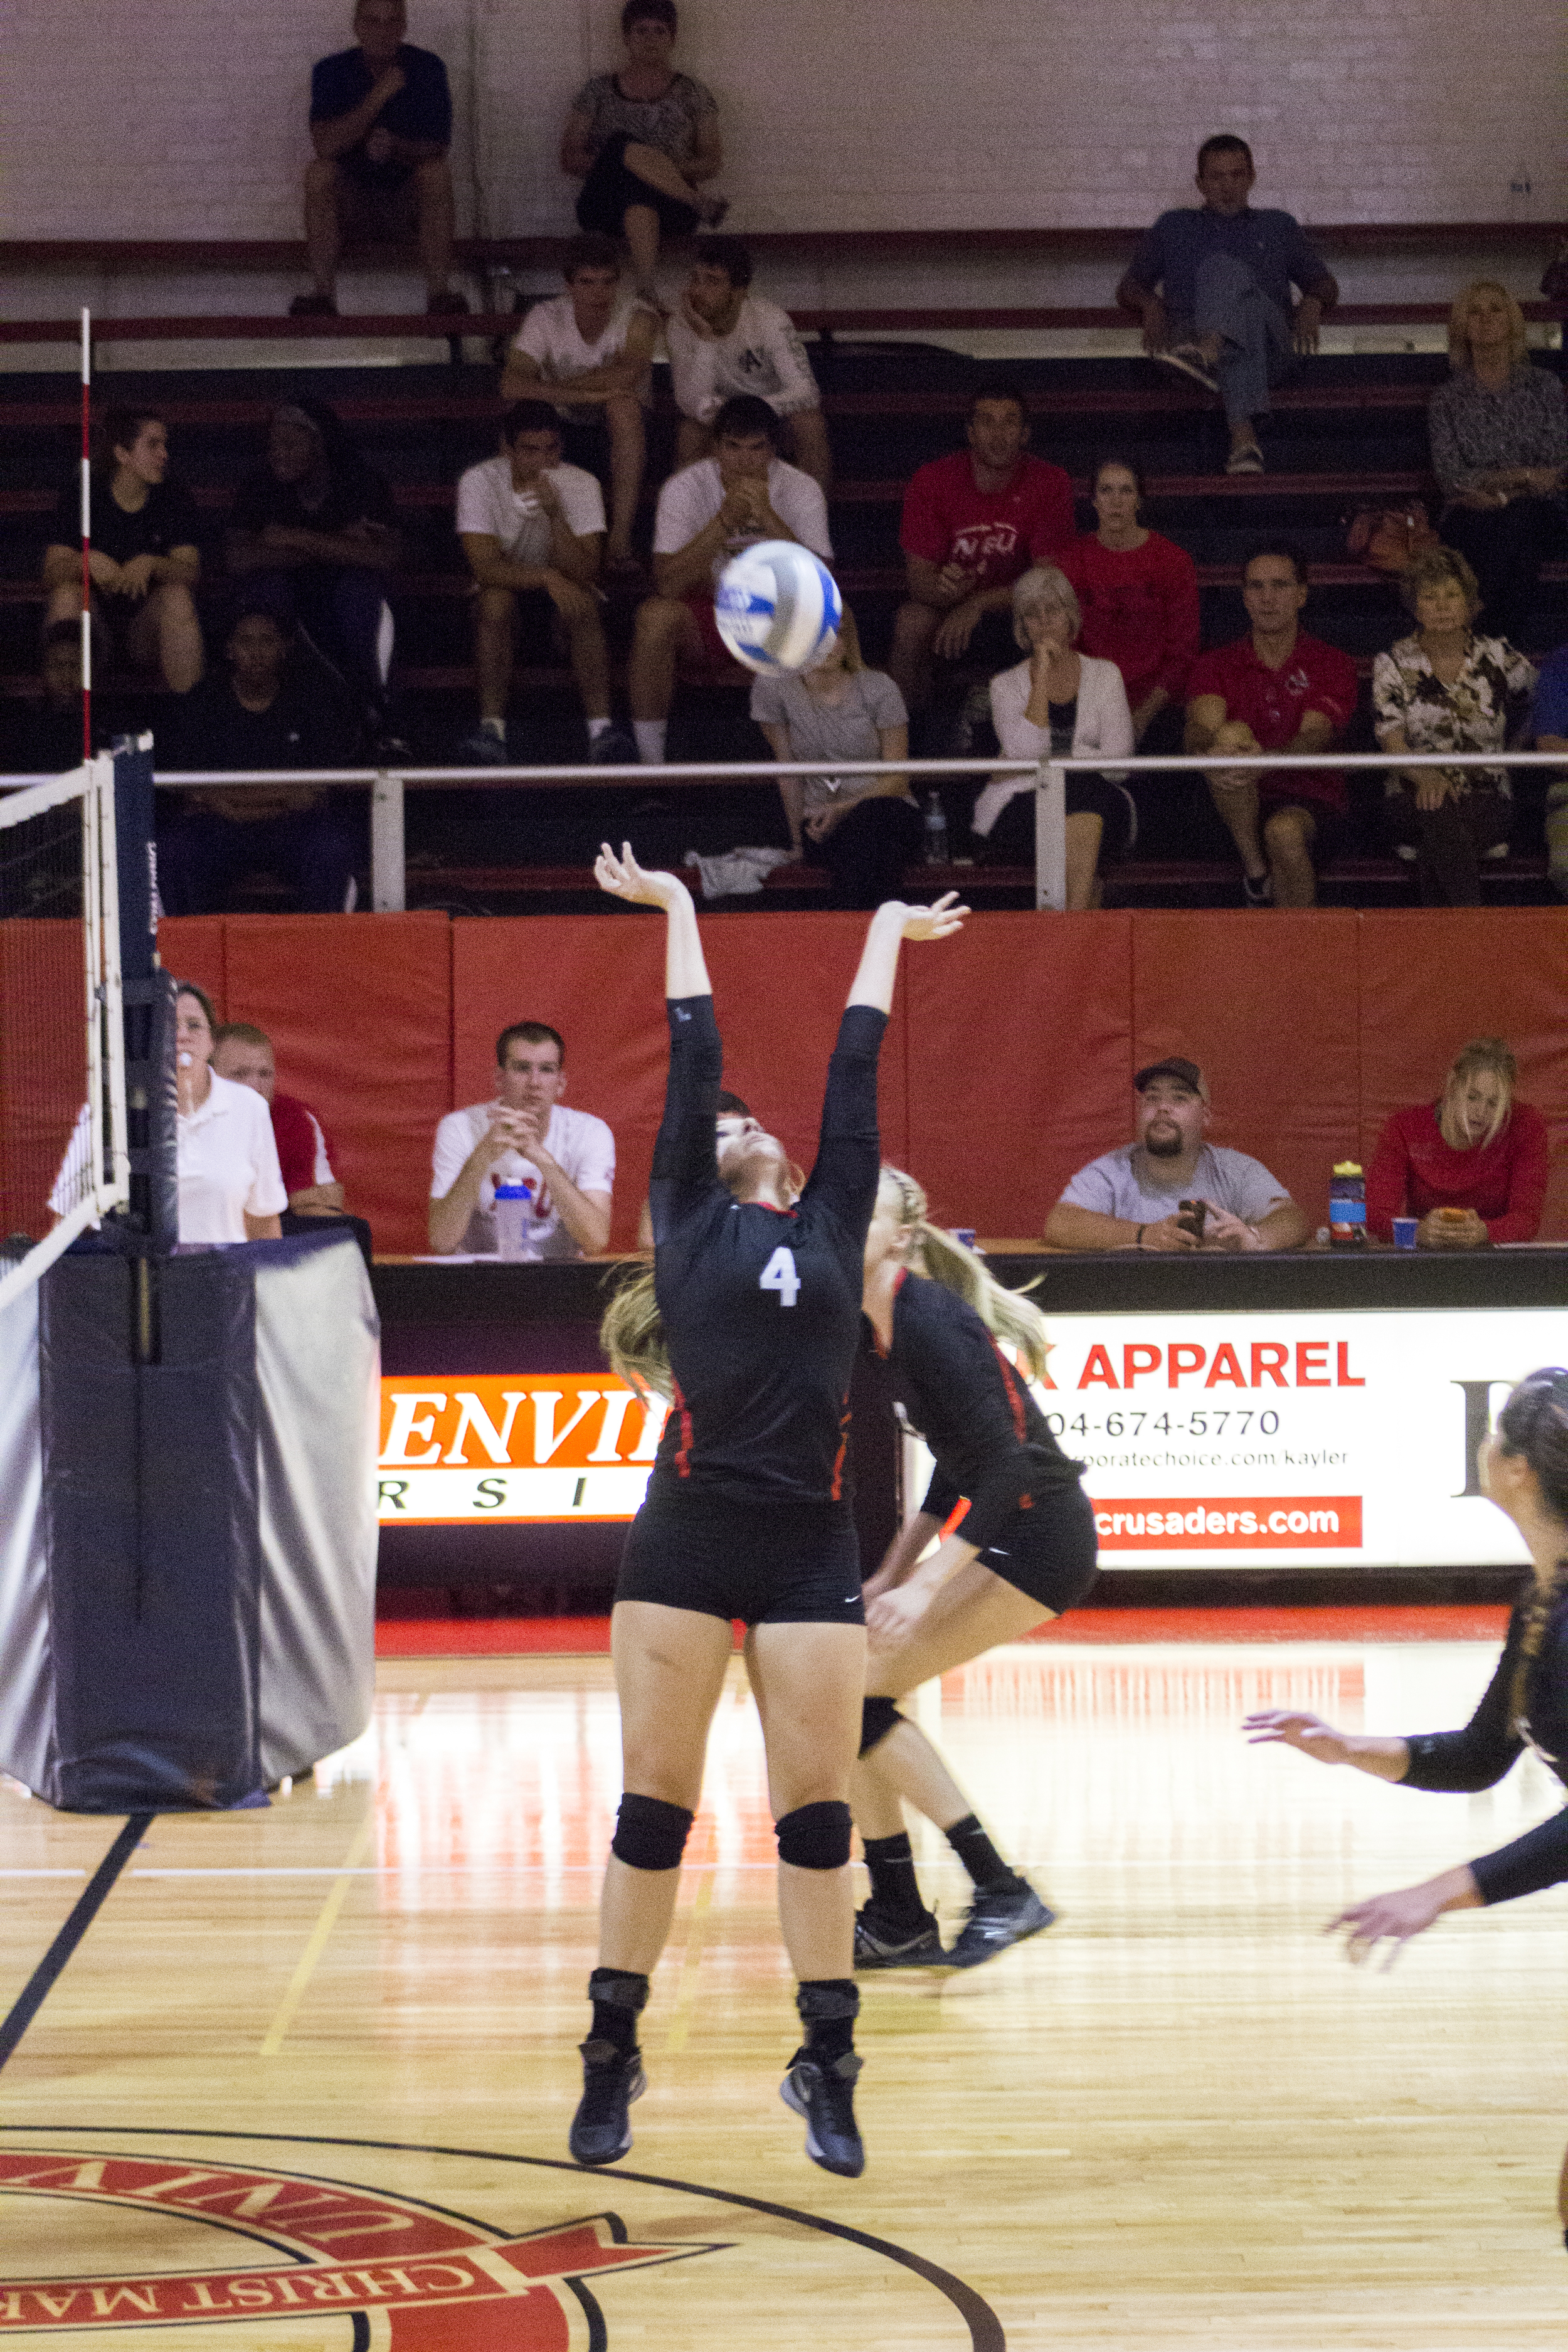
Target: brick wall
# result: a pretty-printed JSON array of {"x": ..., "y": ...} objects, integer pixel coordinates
[{"x": 185, "y": 118}]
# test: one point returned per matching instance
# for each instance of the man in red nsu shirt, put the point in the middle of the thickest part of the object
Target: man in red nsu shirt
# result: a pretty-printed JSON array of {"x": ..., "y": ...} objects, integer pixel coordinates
[
  {"x": 972, "y": 524},
  {"x": 1277, "y": 689}
]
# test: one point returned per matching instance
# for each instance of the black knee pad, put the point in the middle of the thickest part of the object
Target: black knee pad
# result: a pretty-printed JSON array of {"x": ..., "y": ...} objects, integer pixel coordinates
[
  {"x": 650, "y": 1834},
  {"x": 816, "y": 1837},
  {"x": 877, "y": 1716}
]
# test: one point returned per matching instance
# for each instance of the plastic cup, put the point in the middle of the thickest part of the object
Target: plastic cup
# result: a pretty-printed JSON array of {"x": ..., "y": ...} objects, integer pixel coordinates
[
  {"x": 1405, "y": 1230},
  {"x": 964, "y": 1233}
]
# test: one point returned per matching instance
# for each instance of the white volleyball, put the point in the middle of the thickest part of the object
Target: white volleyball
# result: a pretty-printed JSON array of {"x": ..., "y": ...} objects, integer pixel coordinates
[{"x": 777, "y": 606}]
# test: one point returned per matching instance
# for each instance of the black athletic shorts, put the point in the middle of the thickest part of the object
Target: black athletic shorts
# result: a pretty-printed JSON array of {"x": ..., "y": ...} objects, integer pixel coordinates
[
  {"x": 1048, "y": 1551},
  {"x": 767, "y": 1563}
]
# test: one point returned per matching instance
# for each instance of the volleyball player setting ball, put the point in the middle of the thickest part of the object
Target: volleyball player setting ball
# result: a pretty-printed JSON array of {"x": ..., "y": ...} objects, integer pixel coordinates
[
  {"x": 1524, "y": 1471},
  {"x": 748, "y": 1323},
  {"x": 1024, "y": 1551}
]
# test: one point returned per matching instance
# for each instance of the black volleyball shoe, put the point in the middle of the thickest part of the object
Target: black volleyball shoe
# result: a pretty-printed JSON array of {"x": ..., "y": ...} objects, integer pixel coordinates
[
  {"x": 823, "y": 2091},
  {"x": 601, "y": 2132},
  {"x": 884, "y": 1943},
  {"x": 996, "y": 1920}
]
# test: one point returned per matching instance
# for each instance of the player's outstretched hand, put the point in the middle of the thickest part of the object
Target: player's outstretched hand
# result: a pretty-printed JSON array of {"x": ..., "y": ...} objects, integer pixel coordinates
[
  {"x": 936, "y": 922},
  {"x": 624, "y": 878},
  {"x": 1291, "y": 1729},
  {"x": 1391, "y": 1918}
]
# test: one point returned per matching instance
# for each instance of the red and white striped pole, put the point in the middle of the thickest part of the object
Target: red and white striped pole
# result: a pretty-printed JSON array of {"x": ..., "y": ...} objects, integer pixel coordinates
[{"x": 86, "y": 535}]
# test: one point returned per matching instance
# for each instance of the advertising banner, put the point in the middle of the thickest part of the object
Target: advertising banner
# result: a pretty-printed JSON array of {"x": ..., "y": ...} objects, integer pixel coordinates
[
  {"x": 477, "y": 1447},
  {"x": 1259, "y": 1440}
]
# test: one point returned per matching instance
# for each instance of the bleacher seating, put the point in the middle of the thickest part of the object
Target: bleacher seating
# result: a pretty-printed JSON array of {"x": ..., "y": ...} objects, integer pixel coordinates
[{"x": 1351, "y": 429}]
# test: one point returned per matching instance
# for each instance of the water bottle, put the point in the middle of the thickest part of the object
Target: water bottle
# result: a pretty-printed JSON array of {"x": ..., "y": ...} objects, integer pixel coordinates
[
  {"x": 513, "y": 1202},
  {"x": 1347, "y": 1206},
  {"x": 935, "y": 830}
]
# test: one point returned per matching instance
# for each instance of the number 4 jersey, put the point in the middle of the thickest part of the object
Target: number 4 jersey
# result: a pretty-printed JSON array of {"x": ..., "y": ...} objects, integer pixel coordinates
[{"x": 761, "y": 1305}]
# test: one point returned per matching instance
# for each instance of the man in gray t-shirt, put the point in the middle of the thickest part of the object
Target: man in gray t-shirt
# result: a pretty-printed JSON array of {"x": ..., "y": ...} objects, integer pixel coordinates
[{"x": 1131, "y": 1199}]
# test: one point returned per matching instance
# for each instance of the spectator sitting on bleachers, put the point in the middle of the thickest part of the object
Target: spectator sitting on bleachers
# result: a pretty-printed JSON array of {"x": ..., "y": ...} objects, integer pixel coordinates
[
  {"x": 1477, "y": 1149},
  {"x": 864, "y": 829},
  {"x": 44, "y": 738},
  {"x": 1059, "y": 700},
  {"x": 744, "y": 492},
  {"x": 1549, "y": 725},
  {"x": 263, "y": 714},
  {"x": 972, "y": 524},
  {"x": 533, "y": 533},
  {"x": 1276, "y": 689},
  {"x": 230, "y": 1185},
  {"x": 599, "y": 341},
  {"x": 725, "y": 340},
  {"x": 523, "y": 1134},
  {"x": 316, "y": 1197},
  {"x": 1499, "y": 450},
  {"x": 1130, "y": 1198},
  {"x": 313, "y": 535},
  {"x": 146, "y": 560},
  {"x": 381, "y": 123},
  {"x": 1445, "y": 688},
  {"x": 1212, "y": 285},
  {"x": 642, "y": 142},
  {"x": 1139, "y": 596}
]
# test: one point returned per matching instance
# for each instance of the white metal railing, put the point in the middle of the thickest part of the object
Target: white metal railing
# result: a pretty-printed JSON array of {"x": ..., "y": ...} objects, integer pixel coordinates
[{"x": 387, "y": 787}]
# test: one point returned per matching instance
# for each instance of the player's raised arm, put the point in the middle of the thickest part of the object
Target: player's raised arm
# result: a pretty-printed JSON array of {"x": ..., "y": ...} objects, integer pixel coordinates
[
  {"x": 684, "y": 967},
  {"x": 890, "y": 926}
]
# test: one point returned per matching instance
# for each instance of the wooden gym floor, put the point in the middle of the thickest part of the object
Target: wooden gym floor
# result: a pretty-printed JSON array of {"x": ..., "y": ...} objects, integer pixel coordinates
[{"x": 305, "y": 2057}]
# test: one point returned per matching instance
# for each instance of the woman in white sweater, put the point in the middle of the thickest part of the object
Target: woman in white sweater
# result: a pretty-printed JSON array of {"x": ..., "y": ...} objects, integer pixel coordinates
[{"x": 1070, "y": 703}]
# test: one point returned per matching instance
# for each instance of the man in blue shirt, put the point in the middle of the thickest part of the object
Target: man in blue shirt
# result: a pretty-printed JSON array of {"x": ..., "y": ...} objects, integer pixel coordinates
[
  {"x": 381, "y": 123},
  {"x": 1213, "y": 288},
  {"x": 1549, "y": 725}
]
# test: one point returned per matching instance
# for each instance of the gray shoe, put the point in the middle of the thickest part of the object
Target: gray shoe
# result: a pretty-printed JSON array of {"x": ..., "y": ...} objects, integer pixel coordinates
[
  {"x": 881, "y": 1944},
  {"x": 995, "y": 1921},
  {"x": 614, "y": 749},
  {"x": 1189, "y": 358},
  {"x": 484, "y": 749}
]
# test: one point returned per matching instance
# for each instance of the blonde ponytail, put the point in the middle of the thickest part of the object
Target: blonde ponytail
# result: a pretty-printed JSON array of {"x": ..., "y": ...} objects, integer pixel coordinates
[
  {"x": 1007, "y": 1314},
  {"x": 632, "y": 1335}
]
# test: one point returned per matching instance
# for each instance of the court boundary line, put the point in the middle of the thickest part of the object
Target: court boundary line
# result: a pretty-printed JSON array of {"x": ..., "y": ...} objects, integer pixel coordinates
[
  {"x": 985, "y": 2330},
  {"x": 84, "y": 1911}
]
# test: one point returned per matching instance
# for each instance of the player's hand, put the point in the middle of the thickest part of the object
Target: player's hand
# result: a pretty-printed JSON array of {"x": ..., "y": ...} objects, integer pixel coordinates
[
  {"x": 1389, "y": 1918},
  {"x": 938, "y": 921},
  {"x": 507, "y": 1128},
  {"x": 954, "y": 633},
  {"x": 1169, "y": 1233},
  {"x": 891, "y": 1617},
  {"x": 624, "y": 878},
  {"x": 136, "y": 577},
  {"x": 1291, "y": 1727}
]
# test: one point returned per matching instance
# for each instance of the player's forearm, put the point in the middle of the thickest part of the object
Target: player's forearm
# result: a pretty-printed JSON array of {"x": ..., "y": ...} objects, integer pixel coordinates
[
  {"x": 450, "y": 1213},
  {"x": 899, "y": 1560},
  {"x": 1385, "y": 1757},
  {"x": 685, "y": 966},
  {"x": 587, "y": 1221},
  {"x": 879, "y": 966}
]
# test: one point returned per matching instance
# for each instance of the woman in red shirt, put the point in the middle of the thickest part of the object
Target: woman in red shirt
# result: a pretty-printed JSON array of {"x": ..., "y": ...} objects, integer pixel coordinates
[
  {"x": 1140, "y": 596},
  {"x": 1475, "y": 1149}
]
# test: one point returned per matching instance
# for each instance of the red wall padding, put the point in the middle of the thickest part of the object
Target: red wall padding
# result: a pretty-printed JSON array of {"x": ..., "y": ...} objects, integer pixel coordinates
[
  {"x": 779, "y": 984},
  {"x": 1008, "y": 1063}
]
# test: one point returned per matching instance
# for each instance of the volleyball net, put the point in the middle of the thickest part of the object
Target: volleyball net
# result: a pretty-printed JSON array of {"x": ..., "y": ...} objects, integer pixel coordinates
[{"x": 63, "y": 1156}]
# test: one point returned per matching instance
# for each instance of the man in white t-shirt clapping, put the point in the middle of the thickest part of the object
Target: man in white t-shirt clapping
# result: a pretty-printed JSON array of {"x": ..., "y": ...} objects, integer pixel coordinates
[
  {"x": 533, "y": 533},
  {"x": 724, "y": 340},
  {"x": 1133, "y": 1198},
  {"x": 744, "y": 492},
  {"x": 592, "y": 348},
  {"x": 523, "y": 1135}
]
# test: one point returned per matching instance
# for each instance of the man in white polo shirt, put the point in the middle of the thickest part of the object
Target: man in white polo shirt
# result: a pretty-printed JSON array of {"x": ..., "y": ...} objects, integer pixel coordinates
[
  {"x": 1130, "y": 1198},
  {"x": 706, "y": 513},
  {"x": 725, "y": 340},
  {"x": 592, "y": 347},
  {"x": 533, "y": 533},
  {"x": 523, "y": 1135}
]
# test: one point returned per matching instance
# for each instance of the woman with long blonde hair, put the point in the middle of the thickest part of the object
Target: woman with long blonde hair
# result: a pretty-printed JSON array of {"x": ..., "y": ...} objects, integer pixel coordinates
[
  {"x": 749, "y": 1324},
  {"x": 1024, "y": 1551},
  {"x": 1472, "y": 1166}
]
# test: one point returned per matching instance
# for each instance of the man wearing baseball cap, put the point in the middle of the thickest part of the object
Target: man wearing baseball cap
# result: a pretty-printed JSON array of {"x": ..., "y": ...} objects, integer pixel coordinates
[{"x": 1130, "y": 1198}]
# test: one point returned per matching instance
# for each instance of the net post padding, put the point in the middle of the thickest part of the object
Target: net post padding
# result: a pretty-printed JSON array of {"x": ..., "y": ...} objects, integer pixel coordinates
[{"x": 151, "y": 1225}]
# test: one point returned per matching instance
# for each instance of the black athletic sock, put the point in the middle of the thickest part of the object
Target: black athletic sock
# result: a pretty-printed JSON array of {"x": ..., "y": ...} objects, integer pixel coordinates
[
  {"x": 895, "y": 1889},
  {"x": 980, "y": 1858},
  {"x": 618, "y": 1999},
  {"x": 828, "y": 2007}
]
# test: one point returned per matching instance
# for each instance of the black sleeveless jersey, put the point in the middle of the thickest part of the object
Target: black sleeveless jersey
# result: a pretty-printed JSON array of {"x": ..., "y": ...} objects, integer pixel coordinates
[{"x": 761, "y": 1307}]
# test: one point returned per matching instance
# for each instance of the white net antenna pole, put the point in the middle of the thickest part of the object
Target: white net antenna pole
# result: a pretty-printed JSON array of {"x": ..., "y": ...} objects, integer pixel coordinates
[{"x": 86, "y": 533}]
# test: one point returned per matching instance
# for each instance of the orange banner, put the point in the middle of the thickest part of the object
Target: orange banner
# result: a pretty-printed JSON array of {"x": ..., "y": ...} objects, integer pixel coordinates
[
  {"x": 1221, "y": 1522},
  {"x": 556, "y": 1420}
]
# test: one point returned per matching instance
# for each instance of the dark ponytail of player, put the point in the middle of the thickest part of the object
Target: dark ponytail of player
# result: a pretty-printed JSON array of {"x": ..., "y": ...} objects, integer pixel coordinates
[{"x": 1534, "y": 1423}]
